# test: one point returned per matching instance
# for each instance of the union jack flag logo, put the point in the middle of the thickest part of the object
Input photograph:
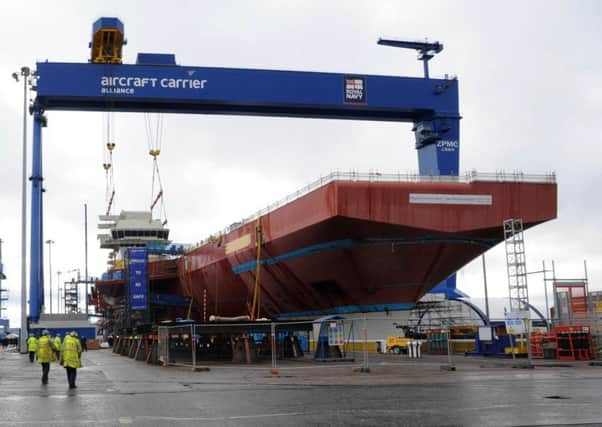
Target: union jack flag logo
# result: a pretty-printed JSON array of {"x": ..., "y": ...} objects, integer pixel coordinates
[{"x": 355, "y": 90}]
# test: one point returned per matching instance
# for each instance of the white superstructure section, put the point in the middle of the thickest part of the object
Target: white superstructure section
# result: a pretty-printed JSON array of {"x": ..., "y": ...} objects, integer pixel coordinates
[{"x": 130, "y": 229}]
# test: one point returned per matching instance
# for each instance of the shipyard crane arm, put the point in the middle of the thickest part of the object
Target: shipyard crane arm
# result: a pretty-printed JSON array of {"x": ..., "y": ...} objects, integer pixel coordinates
[{"x": 426, "y": 50}]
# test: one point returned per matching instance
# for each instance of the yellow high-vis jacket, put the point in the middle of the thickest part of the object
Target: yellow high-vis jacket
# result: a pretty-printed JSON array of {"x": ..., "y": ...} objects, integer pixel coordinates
[
  {"x": 46, "y": 350},
  {"x": 32, "y": 344},
  {"x": 72, "y": 349}
]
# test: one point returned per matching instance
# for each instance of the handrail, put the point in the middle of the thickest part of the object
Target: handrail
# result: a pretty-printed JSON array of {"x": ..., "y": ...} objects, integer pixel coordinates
[{"x": 373, "y": 176}]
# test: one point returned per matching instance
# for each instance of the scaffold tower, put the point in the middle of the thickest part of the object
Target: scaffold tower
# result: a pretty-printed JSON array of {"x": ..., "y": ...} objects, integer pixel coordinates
[
  {"x": 518, "y": 291},
  {"x": 71, "y": 297}
]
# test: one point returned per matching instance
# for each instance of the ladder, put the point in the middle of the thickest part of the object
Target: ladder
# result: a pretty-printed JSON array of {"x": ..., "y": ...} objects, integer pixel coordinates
[{"x": 518, "y": 291}]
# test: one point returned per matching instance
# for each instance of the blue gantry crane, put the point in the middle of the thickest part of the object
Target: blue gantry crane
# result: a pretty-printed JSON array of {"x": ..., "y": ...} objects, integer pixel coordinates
[{"x": 156, "y": 84}]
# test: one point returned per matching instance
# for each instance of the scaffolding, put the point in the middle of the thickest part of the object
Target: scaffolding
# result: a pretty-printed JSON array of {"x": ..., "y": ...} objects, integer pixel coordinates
[
  {"x": 431, "y": 313},
  {"x": 438, "y": 314},
  {"x": 71, "y": 296}
]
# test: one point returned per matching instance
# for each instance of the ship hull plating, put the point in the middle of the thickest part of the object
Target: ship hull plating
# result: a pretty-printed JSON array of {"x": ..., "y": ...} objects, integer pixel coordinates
[{"x": 355, "y": 245}]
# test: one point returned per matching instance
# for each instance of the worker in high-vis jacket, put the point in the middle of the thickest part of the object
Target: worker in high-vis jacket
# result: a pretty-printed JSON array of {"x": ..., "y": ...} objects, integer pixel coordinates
[
  {"x": 46, "y": 354},
  {"x": 32, "y": 347},
  {"x": 70, "y": 356},
  {"x": 58, "y": 344}
]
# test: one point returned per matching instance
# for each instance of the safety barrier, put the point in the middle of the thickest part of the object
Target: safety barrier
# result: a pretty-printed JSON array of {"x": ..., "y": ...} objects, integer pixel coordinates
[
  {"x": 350, "y": 344},
  {"x": 333, "y": 342},
  {"x": 586, "y": 342}
]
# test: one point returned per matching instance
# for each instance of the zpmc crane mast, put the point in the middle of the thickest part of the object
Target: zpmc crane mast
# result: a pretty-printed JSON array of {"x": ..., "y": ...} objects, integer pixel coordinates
[
  {"x": 431, "y": 131},
  {"x": 438, "y": 133}
]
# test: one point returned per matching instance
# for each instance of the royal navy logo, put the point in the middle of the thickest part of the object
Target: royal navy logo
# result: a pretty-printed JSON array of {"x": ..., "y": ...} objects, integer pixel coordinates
[{"x": 355, "y": 90}]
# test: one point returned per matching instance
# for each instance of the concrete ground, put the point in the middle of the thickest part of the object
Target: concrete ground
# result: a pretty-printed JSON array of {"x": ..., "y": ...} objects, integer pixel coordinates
[{"x": 115, "y": 390}]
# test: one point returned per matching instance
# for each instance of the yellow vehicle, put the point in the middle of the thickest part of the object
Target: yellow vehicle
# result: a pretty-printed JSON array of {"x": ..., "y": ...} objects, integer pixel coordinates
[{"x": 398, "y": 345}]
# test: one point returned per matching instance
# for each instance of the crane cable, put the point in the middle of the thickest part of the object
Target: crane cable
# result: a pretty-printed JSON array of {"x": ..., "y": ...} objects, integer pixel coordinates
[
  {"x": 154, "y": 134},
  {"x": 109, "y": 146}
]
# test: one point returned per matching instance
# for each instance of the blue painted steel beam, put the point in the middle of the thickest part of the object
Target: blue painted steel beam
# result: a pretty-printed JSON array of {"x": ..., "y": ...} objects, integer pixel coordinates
[
  {"x": 431, "y": 104},
  {"x": 100, "y": 87},
  {"x": 36, "y": 267}
]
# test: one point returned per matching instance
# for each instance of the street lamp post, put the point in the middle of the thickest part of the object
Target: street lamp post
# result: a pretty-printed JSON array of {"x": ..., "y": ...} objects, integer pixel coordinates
[
  {"x": 86, "y": 251},
  {"x": 24, "y": 73},
  {"x": 58, "y": 281},
  {"x": 2, "y": 277},
  {"x": 485, "y": 284},
  {"x": 49, "y": 243}
]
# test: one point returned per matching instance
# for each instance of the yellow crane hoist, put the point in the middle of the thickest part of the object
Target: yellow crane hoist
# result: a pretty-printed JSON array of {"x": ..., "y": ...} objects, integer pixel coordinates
[{"x": 107, "y": 41}]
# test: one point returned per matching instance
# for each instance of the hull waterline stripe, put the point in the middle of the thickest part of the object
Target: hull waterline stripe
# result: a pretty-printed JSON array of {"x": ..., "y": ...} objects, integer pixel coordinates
[
  {"x": 346, "y": 309},
  {"x": 349, "y": 243}
]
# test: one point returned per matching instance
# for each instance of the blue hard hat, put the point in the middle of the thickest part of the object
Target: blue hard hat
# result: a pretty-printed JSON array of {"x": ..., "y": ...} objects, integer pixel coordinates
[
  {"x": 45, "y": 332},
  {"x": 58, "y": 335}
]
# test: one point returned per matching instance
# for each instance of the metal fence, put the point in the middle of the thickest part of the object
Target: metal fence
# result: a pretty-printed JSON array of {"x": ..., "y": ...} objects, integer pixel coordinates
[{"x": 356, "y": 343}]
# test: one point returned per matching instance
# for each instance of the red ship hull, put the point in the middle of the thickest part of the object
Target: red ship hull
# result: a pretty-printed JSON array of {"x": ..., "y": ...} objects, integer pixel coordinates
[{"x": 352, "y": 245}]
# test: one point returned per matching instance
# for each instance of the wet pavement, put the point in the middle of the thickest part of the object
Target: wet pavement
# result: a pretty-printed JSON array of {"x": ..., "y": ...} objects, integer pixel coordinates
[{"x": 115, "y": 390}]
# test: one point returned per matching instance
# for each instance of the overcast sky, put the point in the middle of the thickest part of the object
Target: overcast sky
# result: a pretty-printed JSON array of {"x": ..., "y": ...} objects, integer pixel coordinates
[{"x": 530, "y": 97}]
